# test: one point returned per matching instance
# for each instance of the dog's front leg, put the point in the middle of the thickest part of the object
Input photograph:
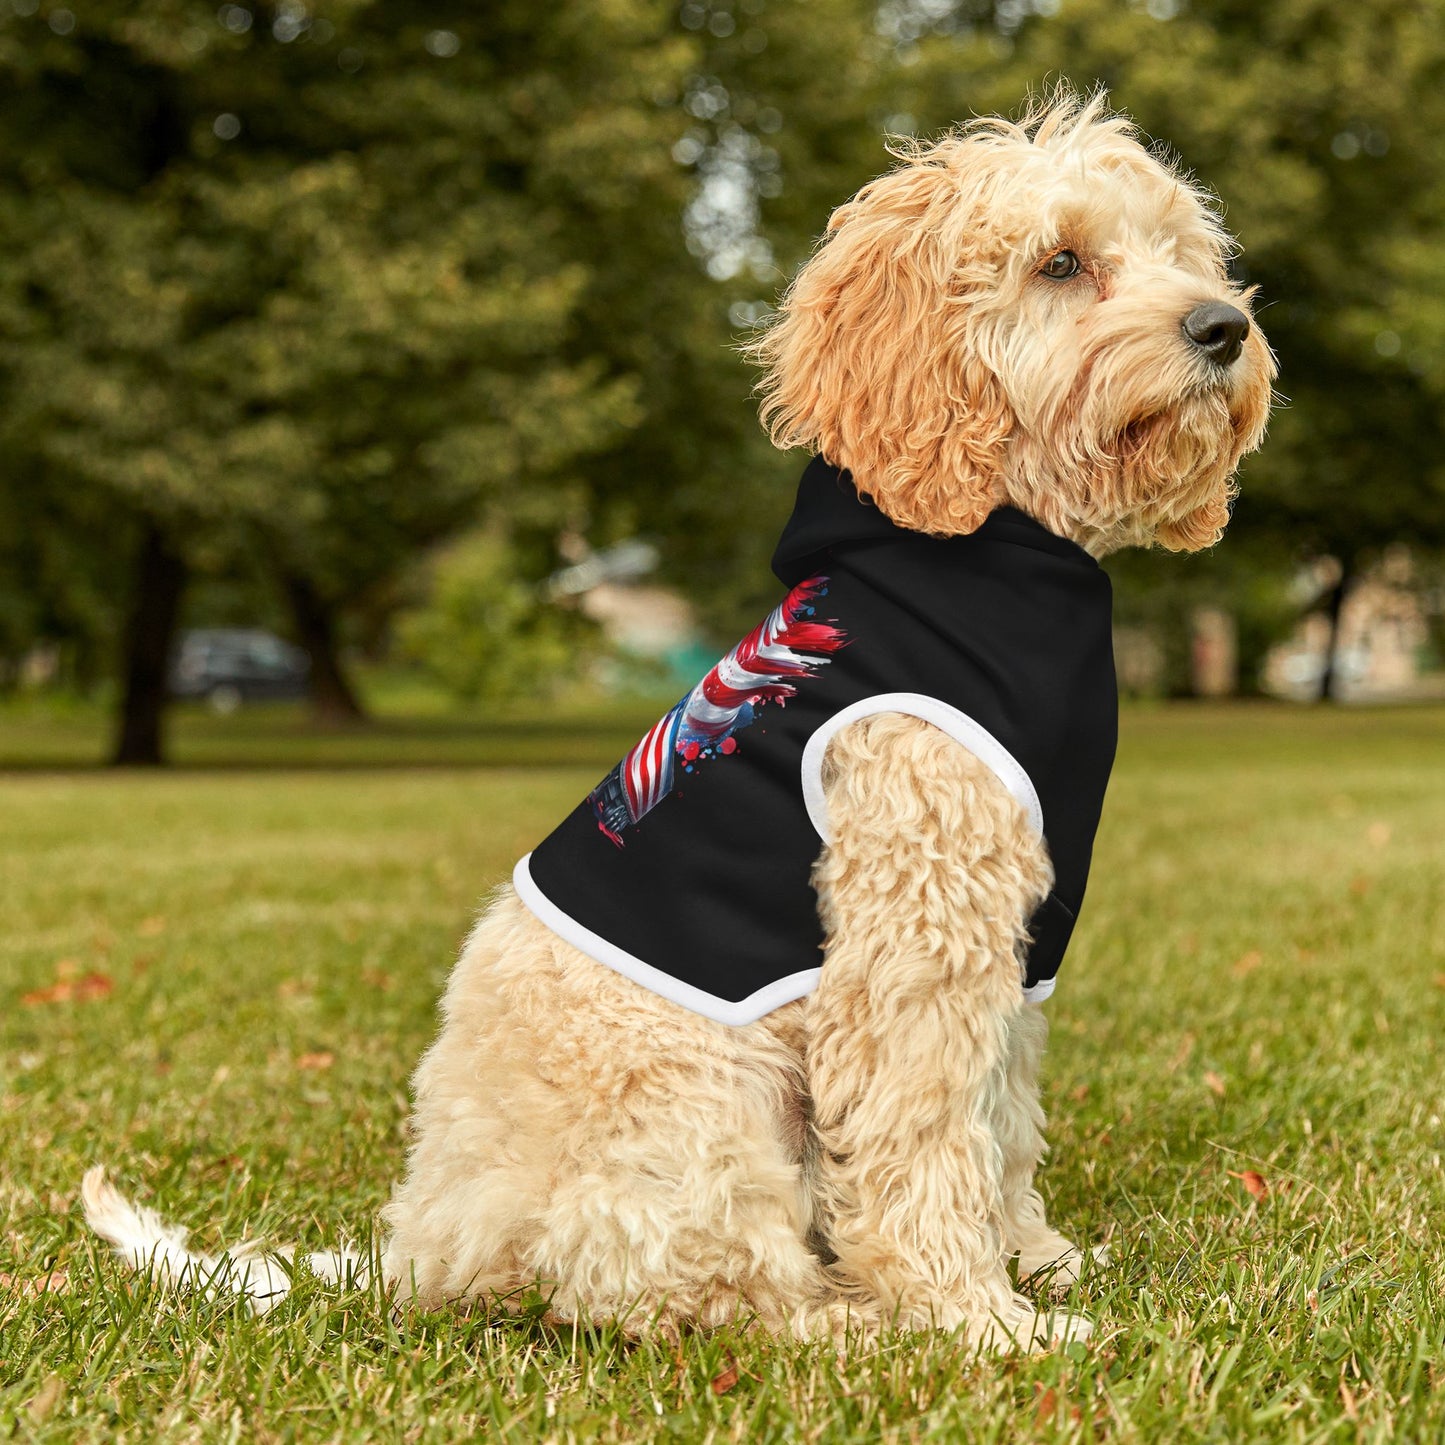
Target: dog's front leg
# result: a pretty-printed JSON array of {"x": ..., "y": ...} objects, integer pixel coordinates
[
  {"x": 925, "y": 891},
  {"x": 1042, "y": 1251}
]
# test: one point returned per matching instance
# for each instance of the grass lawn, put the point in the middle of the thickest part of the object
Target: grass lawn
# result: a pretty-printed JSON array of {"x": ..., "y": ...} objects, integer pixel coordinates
[{"x": 216, "y": 980}]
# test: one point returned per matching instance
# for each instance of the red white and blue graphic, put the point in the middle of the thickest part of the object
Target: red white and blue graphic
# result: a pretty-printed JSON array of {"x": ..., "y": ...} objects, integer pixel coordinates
[{"x": 787, "y": 648}]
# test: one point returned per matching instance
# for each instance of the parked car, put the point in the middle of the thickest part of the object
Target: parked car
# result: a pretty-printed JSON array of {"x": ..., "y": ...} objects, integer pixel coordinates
[{"x": 230, "y": 665}]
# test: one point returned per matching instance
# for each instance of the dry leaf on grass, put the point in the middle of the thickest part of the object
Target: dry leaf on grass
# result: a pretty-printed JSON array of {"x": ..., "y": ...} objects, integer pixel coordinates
[
  {"x": 724, "y": 1381},
  {"x": 1046, "y": 1407},
  {"x": 151, "y": 927},
  {"x": 1255, "y": 1184},
  {"x": 322, "y": 1059},
  {"x": 1247, "y": 963},
  {"x": 56, "y": 1282},
  {"x": 67, "y": 990},
  {"x": 1214, "y": 1083}
]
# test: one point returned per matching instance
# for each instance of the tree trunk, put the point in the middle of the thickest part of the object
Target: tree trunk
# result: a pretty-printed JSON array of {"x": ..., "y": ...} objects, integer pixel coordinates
[
  {"x": 160, "y": 579},
  {"x": 1329, "y": 675},
  {"x": 333, "y": 699}
]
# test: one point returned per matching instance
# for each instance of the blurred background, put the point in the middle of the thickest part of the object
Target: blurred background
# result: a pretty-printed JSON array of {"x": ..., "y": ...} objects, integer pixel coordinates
[{"x": 362, "y": 363}]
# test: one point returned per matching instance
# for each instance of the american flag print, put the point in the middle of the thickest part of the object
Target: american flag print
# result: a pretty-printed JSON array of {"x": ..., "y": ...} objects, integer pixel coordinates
[{"x": 789, "y": 646}]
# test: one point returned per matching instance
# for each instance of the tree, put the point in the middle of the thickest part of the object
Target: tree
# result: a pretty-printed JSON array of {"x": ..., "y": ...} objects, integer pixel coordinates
[{"x": 291, "y": 283}]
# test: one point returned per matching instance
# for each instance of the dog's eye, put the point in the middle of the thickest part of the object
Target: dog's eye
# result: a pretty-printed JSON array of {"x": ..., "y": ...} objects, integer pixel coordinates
[{"x": 1060, "y": 266}]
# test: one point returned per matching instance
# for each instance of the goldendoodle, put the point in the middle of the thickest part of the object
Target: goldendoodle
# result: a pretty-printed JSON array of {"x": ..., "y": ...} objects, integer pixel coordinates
[{"x": 756, "y": 1032}]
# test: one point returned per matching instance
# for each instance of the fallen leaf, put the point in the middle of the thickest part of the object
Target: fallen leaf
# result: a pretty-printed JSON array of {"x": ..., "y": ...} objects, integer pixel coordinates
[
  {"x": 1378, "y": 834},
  {"x": 377, "y": 978},
  {"x": 151, "y": 927},
  {"x": 1046, "y": 1408},
  {"x": 1440, "y": 980},
  {"x": 322, "y": 1059},
  {"x": 1080, "y": 1094},
  {"x": 1247, "y": 963},
  {"x": 56, "y": 1282},
  {"x": 1254, "y": 1183},
  {"x": 56, "y": 993},
  {"x": 1214, "y": 1083},
  {"x": 1360, "y": 885},
  {"x": 81, "y": 990},
  {"x": 724, "y": 1382}
]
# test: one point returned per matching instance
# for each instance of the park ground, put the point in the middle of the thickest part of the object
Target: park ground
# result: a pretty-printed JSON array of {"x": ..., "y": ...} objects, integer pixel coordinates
[{"x": 216, "y": 979}]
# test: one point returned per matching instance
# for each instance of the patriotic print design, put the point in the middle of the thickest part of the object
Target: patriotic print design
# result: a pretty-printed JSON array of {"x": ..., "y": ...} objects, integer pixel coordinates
[{"x": 791, "y": 645}]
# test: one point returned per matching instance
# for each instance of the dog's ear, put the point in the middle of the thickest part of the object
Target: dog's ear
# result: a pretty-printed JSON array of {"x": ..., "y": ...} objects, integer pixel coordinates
[{"x": 873, "y": 360}]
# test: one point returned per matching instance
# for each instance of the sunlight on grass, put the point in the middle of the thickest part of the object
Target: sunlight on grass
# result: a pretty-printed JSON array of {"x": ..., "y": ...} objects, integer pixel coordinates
[{"x": 217, "y": 981}]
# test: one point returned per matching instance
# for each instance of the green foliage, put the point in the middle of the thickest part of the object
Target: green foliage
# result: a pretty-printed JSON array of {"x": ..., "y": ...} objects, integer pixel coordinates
[
  {"x": 485, "y": 632},
  {"x": 303, "y": 295},
  {"x": 319, "y": 288},
  {"x": 324, "y": 286}
]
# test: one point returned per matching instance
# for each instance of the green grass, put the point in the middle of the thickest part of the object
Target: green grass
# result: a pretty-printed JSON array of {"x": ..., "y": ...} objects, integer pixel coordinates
[
  {"x": 407, "y": 728},
  {"x": 1257, "y": 985}
]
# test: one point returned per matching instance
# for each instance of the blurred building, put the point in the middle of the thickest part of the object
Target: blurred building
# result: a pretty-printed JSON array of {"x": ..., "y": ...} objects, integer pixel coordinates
[
  {"x": 1382, "y": 651},
  {"x": 653, "y": 631}
]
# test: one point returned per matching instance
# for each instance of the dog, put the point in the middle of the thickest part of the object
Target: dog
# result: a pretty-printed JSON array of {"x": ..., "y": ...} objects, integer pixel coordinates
[{"x": 1024, "y": 336}]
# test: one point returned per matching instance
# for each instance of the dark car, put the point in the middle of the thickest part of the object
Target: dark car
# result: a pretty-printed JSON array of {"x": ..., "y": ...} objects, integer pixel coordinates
[{"x": 231, "y": 665}]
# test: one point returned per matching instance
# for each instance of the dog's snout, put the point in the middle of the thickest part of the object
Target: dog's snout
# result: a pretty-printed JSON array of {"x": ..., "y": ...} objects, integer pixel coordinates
[{"x": 1218, "y": 330}]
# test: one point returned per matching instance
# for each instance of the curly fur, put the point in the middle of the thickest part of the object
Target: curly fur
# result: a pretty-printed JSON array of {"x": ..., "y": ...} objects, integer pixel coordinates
[
  {"x": 865, "y": 1156},
  {"x": 579, "y": 1134},
  {"x": 921, "y": 348}
]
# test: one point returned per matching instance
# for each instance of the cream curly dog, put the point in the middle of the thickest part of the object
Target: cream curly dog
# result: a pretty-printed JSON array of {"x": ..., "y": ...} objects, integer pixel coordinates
[{"x": 1031, "y": 315}]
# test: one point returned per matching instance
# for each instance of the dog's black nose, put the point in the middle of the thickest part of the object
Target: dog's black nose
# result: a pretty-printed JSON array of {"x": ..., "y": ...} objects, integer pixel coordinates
[{"x": 1218, "y": 330}]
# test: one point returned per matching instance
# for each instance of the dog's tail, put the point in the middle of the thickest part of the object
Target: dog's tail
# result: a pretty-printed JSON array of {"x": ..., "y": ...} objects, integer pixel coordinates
[{"x": 147, "y": 1243}]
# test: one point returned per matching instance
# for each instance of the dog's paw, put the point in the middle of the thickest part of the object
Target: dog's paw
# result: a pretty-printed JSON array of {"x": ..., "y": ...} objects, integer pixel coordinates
[
  {"x": 1058, "y": 1270},
  {"x": 1023, "y": 1326}
]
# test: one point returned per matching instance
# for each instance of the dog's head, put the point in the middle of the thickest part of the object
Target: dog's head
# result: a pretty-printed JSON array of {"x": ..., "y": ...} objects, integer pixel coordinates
[{"x": 1034, "y": 313}]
